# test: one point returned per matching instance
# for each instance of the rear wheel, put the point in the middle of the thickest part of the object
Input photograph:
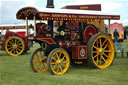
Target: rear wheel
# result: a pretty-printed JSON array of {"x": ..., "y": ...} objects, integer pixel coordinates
[
  {"x": 38, "y": 61},
  {"x": 14, "y": 46},
  {"x": 100, "y": 51},
  {"x": 58, "y": 61}
]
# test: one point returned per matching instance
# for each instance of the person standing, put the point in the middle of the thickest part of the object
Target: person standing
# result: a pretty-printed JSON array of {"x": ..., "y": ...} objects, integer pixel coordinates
[{"x": 116, "y": 35}]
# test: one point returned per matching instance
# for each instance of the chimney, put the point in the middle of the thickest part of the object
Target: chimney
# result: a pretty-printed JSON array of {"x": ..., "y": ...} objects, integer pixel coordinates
[{"x": 50, "y": 4}]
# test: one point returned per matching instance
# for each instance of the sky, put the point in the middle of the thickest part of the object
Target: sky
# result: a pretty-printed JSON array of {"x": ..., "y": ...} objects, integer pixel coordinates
[{"x": 9, "y": 8}]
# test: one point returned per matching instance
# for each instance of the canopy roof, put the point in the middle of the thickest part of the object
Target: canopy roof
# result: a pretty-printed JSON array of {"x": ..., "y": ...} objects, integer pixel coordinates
[
  {"x": 12, "y": 26},
  {"x": 62, "y": 14}
]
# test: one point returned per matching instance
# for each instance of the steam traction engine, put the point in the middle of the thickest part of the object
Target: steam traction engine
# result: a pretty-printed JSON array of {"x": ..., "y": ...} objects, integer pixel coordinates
[
  {"x": 14, "y": 43},
  {"x": 67, "y": 37}
]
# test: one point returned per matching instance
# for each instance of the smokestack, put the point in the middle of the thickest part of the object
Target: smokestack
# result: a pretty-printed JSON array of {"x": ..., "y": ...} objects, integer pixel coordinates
[{"x": 50, "y": 4}]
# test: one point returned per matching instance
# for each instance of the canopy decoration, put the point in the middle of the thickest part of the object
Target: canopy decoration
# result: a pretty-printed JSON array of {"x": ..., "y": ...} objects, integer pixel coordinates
[{"x": 30, "y": 12}]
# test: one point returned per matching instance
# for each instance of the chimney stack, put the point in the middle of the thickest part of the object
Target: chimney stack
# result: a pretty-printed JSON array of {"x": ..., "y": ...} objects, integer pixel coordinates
[{"x": 50, "y": 4}]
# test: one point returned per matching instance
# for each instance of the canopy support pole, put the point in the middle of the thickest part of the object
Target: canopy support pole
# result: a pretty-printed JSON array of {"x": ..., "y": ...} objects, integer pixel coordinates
[
  {"x": 26, "y": 27},
  {"x": 108, "y": 25},
  {"x": 34, "y": 26}
]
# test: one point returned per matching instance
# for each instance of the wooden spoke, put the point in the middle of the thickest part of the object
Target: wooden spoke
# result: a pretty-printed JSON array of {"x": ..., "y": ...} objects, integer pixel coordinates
[
  {"x": 95, "y": 56},
  {"x": 53, "y": 62},
  {"x": 36, "y": 62},
  {"x": 15, "y": 41},
  {"x": 37, "y": 56},
  {"x": 103, "y": 59},
  {"x": 62, "y": 64},
  {"x": 57, "y": 56},
  {"x": 40, "y": 67},
  {"x": 10, "y": 42},
  {"x": 100, "y": 42},
  {"x": 105, "y": 55},
  {"x": 100, "y": 59},
  {"x": 106, "y": 46},
  {"x": 97, "y": 59},
  {"x": 94, "y": 52},
  {"x": 54, "y": 66},
  {"x": 10, "y": 48},
  {"x": 107, "y": 50},
  {"x": 62, "y": 58},
  {"x": 9, "y": 45},
  {"x": 60, "y": 68},
  {"x": 104, "y": 42},
  {"x": 95, "y": 47}
]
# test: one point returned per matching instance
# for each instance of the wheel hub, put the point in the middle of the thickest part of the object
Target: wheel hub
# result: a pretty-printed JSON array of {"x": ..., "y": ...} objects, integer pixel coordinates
[
  {"x": 101, "y": 51},
  {"x": 14, "y": 46},
  {"x": 58, "y": 62}
]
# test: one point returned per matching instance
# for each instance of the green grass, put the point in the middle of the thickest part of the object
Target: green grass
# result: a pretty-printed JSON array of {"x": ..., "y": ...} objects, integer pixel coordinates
[{"x": 17, "y": 71}]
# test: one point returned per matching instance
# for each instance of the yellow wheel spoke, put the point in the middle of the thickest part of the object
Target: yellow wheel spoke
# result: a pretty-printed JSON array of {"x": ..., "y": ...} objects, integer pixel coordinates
[
  {"x": 95, "y": 47},
  {"x": 95, "y": 56},
  {"x": 37, "y": 56},
  {"x": 105, "y": 55},
  {"x": 106, "y": 46},
  {"x": 103, "y": 59},
  {"x": 100, "y": 43},
  {"x": 16, "y": 51},
  {"x": 57, "y": 56},
  {"x": 15, "y": 41},
  {"x": 54, "y": 66},
  {"x": 10, "y": 48},
  {"x": 9, "y": 45},
  {"x": 44, "y": 65},
  {"x": 19, "y": 44},
  {"x": 97, "y": 59},
  {"x": 104, "y": 42},
  {"x": 36, "y": 62},
  {"x": 100, "y": 59},
  {"x": 10, "y": 42},
  {"x": 63, "y": 64},
  {"x": 107, "y": 50},
  {"x": 60, "y": 68},
  {"x": 40, "y": 67},
  {"x": 64, "y": 61},
  {"x": 53, "y": 62},
  {"x": 93, "y": 52},
  {"x": 62, "y": 58}
]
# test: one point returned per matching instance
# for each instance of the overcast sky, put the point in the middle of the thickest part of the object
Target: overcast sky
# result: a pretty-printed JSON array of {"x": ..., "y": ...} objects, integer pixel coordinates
[{"x": 8, "y": 8}]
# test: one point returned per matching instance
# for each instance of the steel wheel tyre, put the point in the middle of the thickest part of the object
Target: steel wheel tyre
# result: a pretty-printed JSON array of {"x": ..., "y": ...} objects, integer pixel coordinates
[
  {"x": 101, "y": 51},
  {"x": 38, "y": 61},
  {"x": 14, "y": 46},
  {"x": 58, "y": 61}
]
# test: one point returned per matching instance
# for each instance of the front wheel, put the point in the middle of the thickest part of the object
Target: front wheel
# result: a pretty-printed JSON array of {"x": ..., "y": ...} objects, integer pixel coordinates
[
  {"x": 38, "y": 61},
  {"x": 101, "y": 51},
  {"x": 58, "y": 61}
]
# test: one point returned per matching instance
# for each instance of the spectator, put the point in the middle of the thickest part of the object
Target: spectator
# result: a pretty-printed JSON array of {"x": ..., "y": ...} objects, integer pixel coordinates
[
  {"x": 116, "y": 35},
  {"x": 125, "y": 34}
]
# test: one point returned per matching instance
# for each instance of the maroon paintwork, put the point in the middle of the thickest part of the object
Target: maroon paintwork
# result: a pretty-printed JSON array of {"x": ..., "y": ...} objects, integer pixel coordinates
[
  {"x": 95, "y": 7},
  {"x": 31, "y": 12}
]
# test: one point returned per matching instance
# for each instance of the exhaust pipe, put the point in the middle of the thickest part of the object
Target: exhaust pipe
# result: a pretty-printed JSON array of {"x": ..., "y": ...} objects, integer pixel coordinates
[{"x": 50, "y": 4}]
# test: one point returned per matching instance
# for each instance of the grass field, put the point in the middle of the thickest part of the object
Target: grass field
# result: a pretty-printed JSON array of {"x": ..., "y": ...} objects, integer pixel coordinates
[{"x": 17, "y": 71}]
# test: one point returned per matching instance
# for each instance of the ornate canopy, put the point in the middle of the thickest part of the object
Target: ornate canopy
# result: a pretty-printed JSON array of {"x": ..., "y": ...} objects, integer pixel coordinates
[{"x": 62, "y": 14}]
